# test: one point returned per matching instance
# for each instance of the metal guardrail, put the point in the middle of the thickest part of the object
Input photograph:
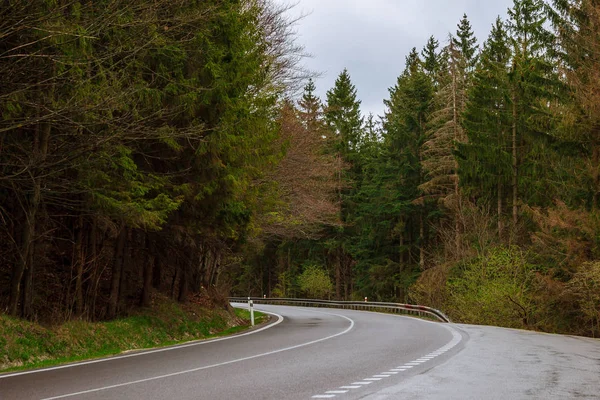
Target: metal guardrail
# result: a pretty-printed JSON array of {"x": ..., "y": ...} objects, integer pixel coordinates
[{"x": 410, "y": 309}]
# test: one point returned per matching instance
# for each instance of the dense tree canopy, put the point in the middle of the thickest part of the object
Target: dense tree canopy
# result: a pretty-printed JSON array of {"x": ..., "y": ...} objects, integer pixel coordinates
[{"x": 167, "y": 146}]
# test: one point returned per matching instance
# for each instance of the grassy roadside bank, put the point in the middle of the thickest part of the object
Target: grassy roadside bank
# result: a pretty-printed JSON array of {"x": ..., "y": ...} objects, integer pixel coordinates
[{"x": 25, "y": 345}]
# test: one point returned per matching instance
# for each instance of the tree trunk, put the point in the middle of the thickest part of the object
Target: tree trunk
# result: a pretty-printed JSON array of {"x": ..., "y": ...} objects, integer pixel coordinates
[
  {"x": 92, "y": 292},
  {"x": 500, "y": 227},
  {"x": 28, "y": 284},
  {"x": 183, "y": 285},
  {"x": 25, "y": 264},
  {"x": 174, "y": 281},
  {"x": 145, "y": 300},
  {"x": 421, "y": 241},
  {"x": 117, "y": 271},
  {"x": 338, "y": 274},
  {"x": 596, "y": 172},
  {"x": 515, "y": 177},
  {"x": 80, "y": 255}
]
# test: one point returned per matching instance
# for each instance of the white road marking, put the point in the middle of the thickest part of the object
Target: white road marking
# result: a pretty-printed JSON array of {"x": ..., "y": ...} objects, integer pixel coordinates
[
  {"x": 323, "y": 396},
  {"x": 215, "y": 365},
  {"x": 144, "y": 352},
  {"x": 456, "y": 338},
  {"x": 336, "y": 391}
]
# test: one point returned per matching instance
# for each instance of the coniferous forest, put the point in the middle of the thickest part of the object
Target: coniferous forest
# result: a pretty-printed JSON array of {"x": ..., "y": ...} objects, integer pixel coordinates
[{"x": 179, "y": 147}]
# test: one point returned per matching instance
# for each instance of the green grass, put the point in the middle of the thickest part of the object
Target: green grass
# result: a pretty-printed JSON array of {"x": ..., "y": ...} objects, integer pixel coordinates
[{"x": 25, "y": 345}]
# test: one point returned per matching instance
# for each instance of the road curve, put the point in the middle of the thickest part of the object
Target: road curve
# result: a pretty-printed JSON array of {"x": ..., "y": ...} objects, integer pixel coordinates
[{"x": 306, "y": 353}]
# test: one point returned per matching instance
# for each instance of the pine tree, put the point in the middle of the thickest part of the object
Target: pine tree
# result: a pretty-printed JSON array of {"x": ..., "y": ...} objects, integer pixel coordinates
[
  {"x": 577, "y": 25},
  {"x": 343, "y": 114},
  {"x": 405, "y": 134},
  {"x": 466, "y": 42},
  {"x": 310, "y": 106},
  {"x": 344, "y": 119},
  {"x": 485, "y": 161},
  {"x": 445, "y": 131},
  {"x": 532, "y": 80},
  {"x": 431, "y": 57}
]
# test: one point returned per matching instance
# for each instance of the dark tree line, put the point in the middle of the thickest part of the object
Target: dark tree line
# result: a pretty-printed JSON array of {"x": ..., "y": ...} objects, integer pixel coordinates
[
  {"x": 133, "y": 140},
  {"x": 477, "y": 191}
]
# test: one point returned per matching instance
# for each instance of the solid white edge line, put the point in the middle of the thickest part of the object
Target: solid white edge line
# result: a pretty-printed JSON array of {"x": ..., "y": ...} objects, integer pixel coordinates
[
  {"x": 145, "y": 352},
  {"x": 214, "y": 365}
]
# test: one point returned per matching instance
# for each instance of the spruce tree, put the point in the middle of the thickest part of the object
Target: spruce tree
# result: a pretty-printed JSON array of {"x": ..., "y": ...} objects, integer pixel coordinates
[
  {"x": 445, "y": 131},
  {"x": 343, "y": 114},
  {"x": 533, "y": 81},
  {"x": 344, "y": 119},
  {"x": 405, "y": 134},
  {"x": 431, "y": 57},
  {"x": 466, "y": 42},
  {"x": 485, "y": 159},
  {"x": 310, "y": 105},
  {"x": 577, "y": 25}
]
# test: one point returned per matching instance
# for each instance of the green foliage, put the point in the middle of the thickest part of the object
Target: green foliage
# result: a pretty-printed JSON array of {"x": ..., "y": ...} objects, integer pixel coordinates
[
  {"x": 28, "y": 345},
  {"x": 585, "y": 287},
  {"x": 314, "y": 281},
  {"x": 343, "y": 115},
  {"x": 493, "y": 289},
  {"x": 466, "y": 42},
  {"x": 485, "y": 160}
]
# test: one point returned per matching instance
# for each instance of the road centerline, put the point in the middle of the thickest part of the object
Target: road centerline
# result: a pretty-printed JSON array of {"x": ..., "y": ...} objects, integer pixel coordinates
[{"x": 215, "y": 365}]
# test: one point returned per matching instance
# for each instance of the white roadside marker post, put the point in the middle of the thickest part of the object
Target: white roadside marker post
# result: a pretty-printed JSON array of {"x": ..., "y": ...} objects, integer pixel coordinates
[{"x": 251, "y": 304}]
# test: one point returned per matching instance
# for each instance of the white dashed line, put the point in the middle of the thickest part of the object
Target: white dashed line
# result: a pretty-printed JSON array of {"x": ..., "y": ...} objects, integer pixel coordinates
[{"x": 456, "y": 338}]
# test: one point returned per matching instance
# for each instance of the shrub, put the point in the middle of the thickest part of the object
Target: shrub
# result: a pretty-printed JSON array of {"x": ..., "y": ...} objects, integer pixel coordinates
[{"x": 315, "y": 282}]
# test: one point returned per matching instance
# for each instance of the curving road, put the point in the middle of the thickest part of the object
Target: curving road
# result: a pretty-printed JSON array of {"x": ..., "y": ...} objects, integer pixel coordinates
[{"x": 325, "y": 353}]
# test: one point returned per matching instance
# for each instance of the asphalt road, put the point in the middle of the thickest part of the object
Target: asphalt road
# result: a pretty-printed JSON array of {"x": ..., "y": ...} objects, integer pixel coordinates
[{"x": 326, "y": 353}]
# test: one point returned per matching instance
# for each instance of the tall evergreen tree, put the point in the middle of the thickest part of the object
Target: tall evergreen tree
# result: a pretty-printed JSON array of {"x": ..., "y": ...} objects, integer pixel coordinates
[
  {"x": 577, "y": 25},
  {"x": 445, "y": 131},
  {"x": 485, "y": 161},
  {"x": 431, "y": 57},
  {"x": 533, "y": 81},
  {"x": 343, "y": 114},
  {"x": 310, "y": 105},
  {"x": 466, "y": 42},
  {"x": 405, "y": 134},
  {"x": 344, "y": 119}
]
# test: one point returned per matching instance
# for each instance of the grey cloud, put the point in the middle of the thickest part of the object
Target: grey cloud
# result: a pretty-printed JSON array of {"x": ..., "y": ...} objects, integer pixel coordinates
[{"x": 372, "y": 37}]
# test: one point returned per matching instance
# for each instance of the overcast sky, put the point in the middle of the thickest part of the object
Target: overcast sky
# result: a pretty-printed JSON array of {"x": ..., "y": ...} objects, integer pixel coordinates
[{"x": 372, "y": 37}]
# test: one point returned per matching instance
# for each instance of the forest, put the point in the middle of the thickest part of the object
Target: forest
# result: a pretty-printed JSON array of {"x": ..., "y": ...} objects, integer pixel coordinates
[{"x": 178, "y": 147}]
